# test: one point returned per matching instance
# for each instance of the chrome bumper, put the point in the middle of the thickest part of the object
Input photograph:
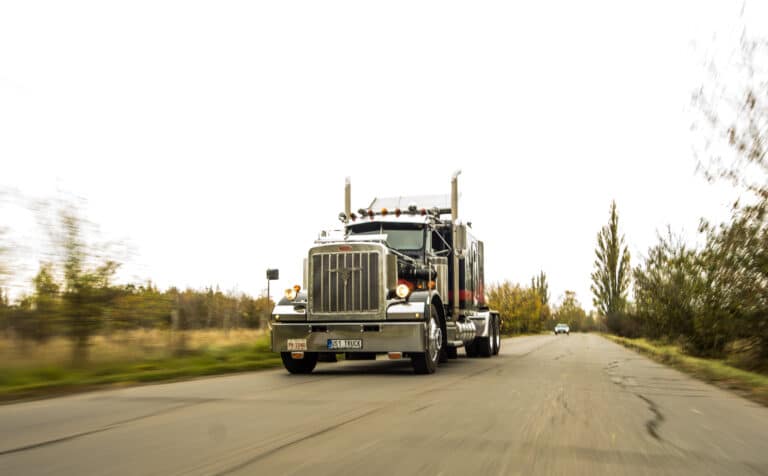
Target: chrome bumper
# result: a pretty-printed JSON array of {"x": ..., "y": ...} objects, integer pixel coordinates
[{"x": 376, "y": 336}]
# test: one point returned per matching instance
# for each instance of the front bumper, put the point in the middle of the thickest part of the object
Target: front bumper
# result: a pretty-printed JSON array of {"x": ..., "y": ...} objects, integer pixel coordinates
[{"x": 376, "y": 336}]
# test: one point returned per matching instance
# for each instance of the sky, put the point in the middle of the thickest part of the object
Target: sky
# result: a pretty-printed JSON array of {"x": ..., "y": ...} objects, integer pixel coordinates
[{"x": 211, "y": 140}]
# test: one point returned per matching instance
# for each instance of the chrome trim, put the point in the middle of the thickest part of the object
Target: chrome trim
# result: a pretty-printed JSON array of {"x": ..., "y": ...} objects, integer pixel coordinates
[
  {"x": 435, "y": 339},
  {"x": 461, "y": 332},
  {"x": 481, "y": 321},
  {"x": 391, "y": 336},
  {"x": 406, "y": 310},
  {"x": 441, "y": 266},
  {"x": 289, "y": 312}
]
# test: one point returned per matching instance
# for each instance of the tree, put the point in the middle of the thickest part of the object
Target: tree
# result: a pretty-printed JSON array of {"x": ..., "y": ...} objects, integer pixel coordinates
[
  {"x": 540, "y": 285},
  {"x": 570, "y": 312},
  {"x": 86, "y": 291},
  {"x": 610, "y": 278},
  {"x": 668, "y": 289},
  {"x": 734, "y": 104},
  {"x": 47, "y": 303},
  {"x": 520, "y": 308}
]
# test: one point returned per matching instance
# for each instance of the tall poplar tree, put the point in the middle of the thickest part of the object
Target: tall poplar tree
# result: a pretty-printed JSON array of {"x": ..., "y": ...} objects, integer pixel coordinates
[{"x": 610, "y": 278}]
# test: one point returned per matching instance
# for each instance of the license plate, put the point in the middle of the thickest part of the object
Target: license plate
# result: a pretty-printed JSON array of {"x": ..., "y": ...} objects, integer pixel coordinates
[
  {"x": 339, "y": 344},
  {"x": 297, "y": 344}
]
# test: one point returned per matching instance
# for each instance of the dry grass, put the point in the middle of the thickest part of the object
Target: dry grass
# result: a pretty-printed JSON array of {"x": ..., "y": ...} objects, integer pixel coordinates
[
  {"x": 128, "y": 358},
  {"x": 123, "y": 346}
]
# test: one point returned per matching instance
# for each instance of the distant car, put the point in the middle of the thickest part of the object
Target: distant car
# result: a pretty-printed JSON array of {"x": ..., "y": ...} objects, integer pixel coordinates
[{"x": 562, "y": 329}]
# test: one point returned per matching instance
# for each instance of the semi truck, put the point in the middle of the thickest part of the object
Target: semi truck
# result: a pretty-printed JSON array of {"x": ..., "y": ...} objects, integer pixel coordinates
[{"x": 403, "y": 278}]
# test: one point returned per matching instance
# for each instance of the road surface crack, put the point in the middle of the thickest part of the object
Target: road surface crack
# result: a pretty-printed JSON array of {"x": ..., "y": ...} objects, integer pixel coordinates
[{"x": 653, "y": 424}]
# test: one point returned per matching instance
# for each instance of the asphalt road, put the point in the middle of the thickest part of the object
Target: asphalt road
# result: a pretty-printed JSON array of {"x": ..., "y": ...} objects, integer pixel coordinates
[{"x": 573, "y": 404}]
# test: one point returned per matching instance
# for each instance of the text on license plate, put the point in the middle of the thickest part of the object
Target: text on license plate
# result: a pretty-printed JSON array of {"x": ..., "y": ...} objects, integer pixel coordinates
[
  {"x": 297, "y": 344},
  {"x": 345, "y": 343}
]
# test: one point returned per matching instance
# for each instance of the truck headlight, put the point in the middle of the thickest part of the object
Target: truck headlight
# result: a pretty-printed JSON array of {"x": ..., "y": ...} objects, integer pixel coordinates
[{"x": 402, "y": 291}]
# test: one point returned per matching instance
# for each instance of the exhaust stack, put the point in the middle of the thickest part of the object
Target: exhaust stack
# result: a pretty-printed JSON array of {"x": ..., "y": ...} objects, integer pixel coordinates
[
  {"x": 454, "y": 220},
  {"x": 347, "y": 199}
]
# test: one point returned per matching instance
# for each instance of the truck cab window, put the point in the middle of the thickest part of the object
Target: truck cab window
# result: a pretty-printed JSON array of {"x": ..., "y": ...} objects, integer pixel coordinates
[{"x": 399, "y": 237}]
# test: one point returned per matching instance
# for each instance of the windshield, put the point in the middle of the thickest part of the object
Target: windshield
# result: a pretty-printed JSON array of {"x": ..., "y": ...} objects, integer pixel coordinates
[{"x": 398, "y": 237}]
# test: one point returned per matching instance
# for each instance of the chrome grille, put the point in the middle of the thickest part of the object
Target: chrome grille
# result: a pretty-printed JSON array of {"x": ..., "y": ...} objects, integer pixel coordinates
[{"x": 345, "y": 282}]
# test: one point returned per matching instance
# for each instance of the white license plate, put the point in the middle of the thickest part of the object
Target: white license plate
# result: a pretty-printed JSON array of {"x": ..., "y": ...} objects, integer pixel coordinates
[
  {"x": 344, "y": 344},
  {"x": 297, "y": 344}
]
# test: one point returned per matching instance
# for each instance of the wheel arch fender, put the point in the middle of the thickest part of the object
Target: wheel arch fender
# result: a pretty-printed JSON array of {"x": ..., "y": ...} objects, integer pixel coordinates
[{"x": 429, "y": 298}]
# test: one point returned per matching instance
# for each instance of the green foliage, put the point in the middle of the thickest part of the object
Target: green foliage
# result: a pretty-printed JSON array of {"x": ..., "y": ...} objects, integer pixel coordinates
[
  {"x": 735, "y": 266},
  {"x": 520, "y": 308},
  {"x": 610, "y": 278},
  {"x": 86, "y": 290},
  {"x": 668, "y": 289},
  {"x": 540, "y": 285},
  {"x": 714, "y": 300},
  {"x": 570, "y": 312}
]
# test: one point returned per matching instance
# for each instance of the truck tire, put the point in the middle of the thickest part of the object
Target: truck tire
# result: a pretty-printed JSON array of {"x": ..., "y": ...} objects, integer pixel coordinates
[
  {"x": 470, "y": 349},
  {"x": 483, "y": 344},
  {"x": 426, "y": 362},
  {"x": 444, "y": 350},
  {"x": 299, "y": 366},
  {"x": 496, "y": 335}
]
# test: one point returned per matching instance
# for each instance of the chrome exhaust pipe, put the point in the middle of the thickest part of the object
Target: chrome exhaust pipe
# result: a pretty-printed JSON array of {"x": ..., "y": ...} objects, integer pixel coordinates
[
  {"x": 454, "y": 220},
  {"x": 347, "y": 198}
]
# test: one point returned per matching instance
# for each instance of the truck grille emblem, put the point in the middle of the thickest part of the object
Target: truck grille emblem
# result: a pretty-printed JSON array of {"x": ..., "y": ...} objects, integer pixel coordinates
[{"x": 344, "y": 273}]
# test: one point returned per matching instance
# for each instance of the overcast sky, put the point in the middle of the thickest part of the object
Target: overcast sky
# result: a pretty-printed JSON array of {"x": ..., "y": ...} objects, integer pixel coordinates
[{"x": 213, "y": 138}]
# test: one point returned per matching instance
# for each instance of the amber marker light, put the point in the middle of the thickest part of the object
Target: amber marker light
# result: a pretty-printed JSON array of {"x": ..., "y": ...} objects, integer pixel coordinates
[
  {"x": 397, "y": 212},
  {"x": 384, "y": 212}
]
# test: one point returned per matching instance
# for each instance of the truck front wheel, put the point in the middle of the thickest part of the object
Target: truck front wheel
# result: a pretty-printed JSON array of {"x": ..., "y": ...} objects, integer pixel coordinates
[
  {"x": 299, "y": 366},
  {"x": 496, "y": 335},
  {"x": 426, "y": 362}
]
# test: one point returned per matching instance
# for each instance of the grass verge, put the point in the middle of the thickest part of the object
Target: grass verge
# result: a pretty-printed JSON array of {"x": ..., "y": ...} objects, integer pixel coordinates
[
  {"x": 38, "y": 381},
  {"x": 751, "y": 385}
]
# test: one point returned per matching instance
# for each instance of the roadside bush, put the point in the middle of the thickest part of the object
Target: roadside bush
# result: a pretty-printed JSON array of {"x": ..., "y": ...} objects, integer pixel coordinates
[{"x": 745, "y": 353}]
